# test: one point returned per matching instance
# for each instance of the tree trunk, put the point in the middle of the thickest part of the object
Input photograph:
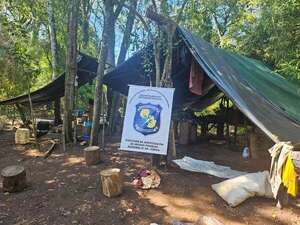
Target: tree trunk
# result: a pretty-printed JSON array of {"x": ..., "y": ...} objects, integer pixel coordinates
[
  {"x": 71, "y": 68},
  {"x": 108, "y": 21},
  {"x": 86, "y": 8},
  {"x": 54, "y": 56},
  {"x": 165, "y": 78},
  {"x": 127, "y": 32},
  {"x": 57, "y": 115},
  {"x": 111, "y": 65},
  {"x": 53, "y": 40},
  {"x": 121, "y": 58},
  {"x": 22, "y": 113}
]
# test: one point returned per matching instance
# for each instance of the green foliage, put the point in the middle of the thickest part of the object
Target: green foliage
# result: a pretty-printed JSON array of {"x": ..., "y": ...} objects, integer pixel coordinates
[
  {"x": 275, "y": 37},
  {"x": 85, "y": 93},
  {"x": 267, "y": 30},
  {"x": 25, "y": 46}
]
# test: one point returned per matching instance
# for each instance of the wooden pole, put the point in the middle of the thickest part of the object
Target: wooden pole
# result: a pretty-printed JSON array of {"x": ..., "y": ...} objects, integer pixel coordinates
[
  {"x": 103, "y": 121},
  {"x": 253, "y": 144}
]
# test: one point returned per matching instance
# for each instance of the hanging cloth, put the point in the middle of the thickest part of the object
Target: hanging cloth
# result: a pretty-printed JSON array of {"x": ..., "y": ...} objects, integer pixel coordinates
[
  {"x": 196, "y": 78},
  {"x": 289, "y": 177},
  {"x": 279, "y": 153}
]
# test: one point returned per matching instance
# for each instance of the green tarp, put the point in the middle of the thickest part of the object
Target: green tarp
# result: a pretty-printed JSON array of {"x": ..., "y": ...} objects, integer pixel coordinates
[
  {"x": 266, "y": 98},
  {"x": 280, "y": 92}
]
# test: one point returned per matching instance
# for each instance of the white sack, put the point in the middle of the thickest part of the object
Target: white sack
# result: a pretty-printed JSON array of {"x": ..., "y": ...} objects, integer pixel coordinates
[
  {"x": 208, "y": 167},
  {"x": 235, "y": 191}
]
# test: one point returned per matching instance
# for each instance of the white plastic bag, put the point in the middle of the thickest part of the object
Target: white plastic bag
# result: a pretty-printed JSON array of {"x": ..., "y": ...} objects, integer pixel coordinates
[{"x": 236, "y": 190}]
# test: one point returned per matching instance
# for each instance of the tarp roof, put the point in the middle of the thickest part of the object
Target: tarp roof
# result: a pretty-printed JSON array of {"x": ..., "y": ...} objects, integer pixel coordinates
[
  {"x": 87, "y": 67},
  {"x": 265, "y": 97}
]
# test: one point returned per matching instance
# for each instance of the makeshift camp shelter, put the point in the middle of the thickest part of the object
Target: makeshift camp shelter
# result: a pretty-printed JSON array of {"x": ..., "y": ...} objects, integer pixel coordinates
[
  {"x": 269, "y": 100},
  {"x": 87, "y": 67}
]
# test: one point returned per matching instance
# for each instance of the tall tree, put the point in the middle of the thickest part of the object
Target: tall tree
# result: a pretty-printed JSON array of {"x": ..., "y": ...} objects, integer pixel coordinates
[
  {"x": 111, "y": 56},
  {"x": 163, "y": 78},
  {"x": 127, "y": 32},
  {"x": 54, "y": 56},
  {"x": 71, "y": 67},
  {"x": 121, "y": 58},
  {"x": 109, "y": 19},
  {"x": 86, "y": 11},
  {"x": 53, "y": 40}
]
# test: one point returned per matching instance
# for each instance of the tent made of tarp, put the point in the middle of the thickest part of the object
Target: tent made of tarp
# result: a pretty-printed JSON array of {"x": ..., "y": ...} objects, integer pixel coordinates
[
  {"x": 269, "y": 100},
  {"x": 87, "y": 67}
]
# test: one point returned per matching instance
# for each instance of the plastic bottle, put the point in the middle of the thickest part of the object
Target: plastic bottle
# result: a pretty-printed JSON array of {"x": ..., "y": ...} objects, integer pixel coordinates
[{"x": 246, "y": 153}]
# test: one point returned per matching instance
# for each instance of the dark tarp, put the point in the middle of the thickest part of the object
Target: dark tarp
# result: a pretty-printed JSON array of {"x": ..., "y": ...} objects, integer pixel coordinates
[
  {"x": 87, "y": 67},
  {"x": 266, "y": 98}
]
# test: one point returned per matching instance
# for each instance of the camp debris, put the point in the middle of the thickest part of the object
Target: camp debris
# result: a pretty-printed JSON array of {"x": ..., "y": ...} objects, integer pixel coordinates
[
  {"x": 146, "y": 179},
  {"x": 202, "y": 220}
]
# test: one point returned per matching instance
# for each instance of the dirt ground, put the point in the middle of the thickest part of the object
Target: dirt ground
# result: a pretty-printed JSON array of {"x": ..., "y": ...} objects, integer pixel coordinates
[{"x": 63, "y": 190}]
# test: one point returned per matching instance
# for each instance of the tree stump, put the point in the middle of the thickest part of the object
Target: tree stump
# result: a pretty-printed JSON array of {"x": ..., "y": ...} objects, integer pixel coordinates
[
  {"x": 22, "y": 136},
  {"x": 14, "y": 178},
  {"x": 92, "y": 155},
  {"x": 112, "y": 182}
]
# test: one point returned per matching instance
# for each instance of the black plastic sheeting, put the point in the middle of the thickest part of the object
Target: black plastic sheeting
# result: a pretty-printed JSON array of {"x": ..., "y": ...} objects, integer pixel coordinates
[{"x": 87, "y": 67}]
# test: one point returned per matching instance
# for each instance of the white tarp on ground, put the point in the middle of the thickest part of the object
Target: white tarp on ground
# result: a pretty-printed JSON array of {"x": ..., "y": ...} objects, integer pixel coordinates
[{"x": 208, "y": 167}]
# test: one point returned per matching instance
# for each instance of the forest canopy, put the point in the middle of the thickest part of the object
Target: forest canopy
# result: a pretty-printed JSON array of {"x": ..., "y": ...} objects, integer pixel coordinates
[{"x": 268, "y": 30}]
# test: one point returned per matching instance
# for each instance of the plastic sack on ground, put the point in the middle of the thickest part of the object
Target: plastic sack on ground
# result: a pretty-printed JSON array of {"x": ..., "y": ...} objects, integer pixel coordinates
[{"x": 236, "y": 190}]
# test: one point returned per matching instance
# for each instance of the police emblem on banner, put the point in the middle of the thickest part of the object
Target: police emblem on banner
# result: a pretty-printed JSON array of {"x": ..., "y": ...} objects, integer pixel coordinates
[{"x": 147, "y": 118}]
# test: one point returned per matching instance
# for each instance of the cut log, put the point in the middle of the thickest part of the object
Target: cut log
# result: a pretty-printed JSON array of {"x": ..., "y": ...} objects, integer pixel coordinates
[
  {"x": 22, "y": 136},
  {"x": 92, "y": 155},
  {"x": 14, "y": 178},
  {"x": 112, "y": 182}
]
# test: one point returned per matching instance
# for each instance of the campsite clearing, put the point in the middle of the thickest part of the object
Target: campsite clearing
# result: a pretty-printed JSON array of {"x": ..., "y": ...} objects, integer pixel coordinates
[{"x": 63, "y": 190}]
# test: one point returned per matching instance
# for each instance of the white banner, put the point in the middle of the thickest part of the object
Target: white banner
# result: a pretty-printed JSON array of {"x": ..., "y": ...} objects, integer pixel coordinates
[{"x": 147, "y": 120}]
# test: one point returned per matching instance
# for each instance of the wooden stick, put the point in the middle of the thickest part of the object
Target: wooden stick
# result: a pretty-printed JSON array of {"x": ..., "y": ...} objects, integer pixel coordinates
[{"x": 50, "y": 150}]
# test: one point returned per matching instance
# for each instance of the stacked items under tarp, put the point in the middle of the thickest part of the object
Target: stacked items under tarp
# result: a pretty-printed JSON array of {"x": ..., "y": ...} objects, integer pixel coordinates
[{"x": 283, "y": 175}]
